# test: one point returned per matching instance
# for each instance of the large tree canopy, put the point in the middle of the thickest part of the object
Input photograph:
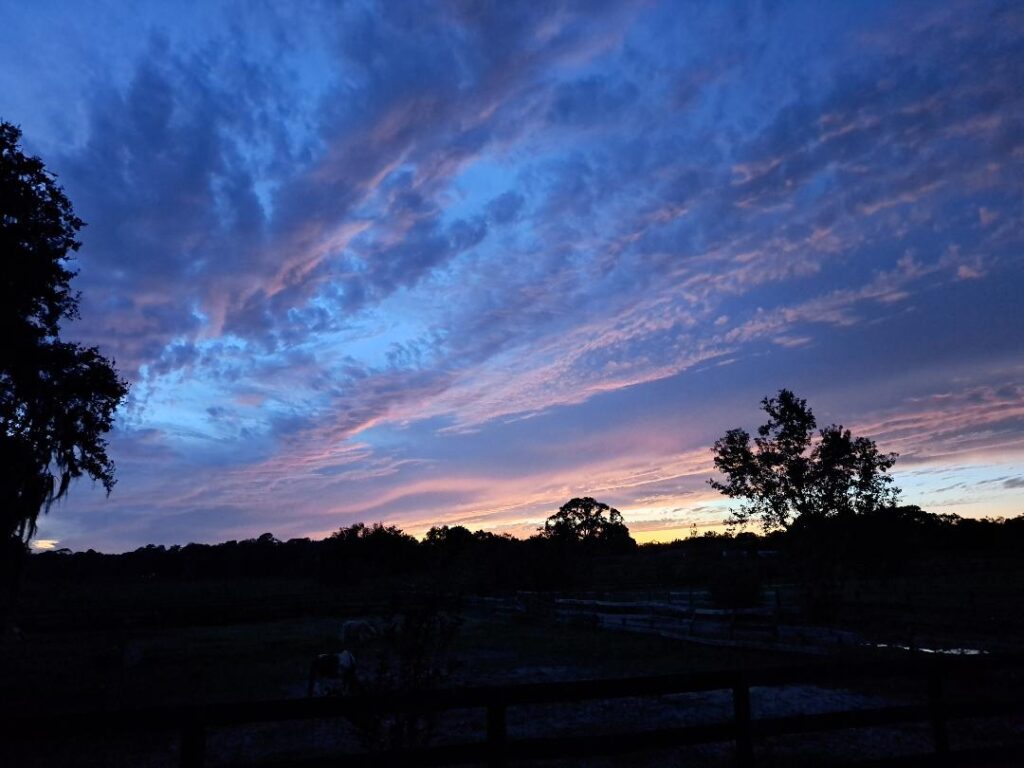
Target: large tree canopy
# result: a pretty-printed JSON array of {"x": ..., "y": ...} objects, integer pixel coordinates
[
  {"x": 57, "y": 399},
  {"x": 788, "y": 473},
  {"x": 588, "y": 521}
]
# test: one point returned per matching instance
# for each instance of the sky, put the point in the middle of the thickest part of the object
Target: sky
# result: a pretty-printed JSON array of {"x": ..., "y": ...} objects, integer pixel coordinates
[{"x": 458, "y": 262}]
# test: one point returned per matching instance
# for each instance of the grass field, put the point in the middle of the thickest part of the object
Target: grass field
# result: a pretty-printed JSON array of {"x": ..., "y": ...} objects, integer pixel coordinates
[
  {"x": 140, "y": 645},
  {"x": 100, "y": 663}
]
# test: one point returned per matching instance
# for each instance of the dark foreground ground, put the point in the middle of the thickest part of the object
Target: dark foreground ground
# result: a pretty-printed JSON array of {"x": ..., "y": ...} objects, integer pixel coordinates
[{"x": 139, "y": 646}]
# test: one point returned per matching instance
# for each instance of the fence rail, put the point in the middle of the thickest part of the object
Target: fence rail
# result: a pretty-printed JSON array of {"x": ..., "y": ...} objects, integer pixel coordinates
[{"x": 193, "y": 723}]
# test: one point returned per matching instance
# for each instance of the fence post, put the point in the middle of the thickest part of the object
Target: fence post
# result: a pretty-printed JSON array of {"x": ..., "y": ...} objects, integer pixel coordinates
[
  {"x": 193, "y": 744},
  {"x": 937, "y": 712},
  {"x": 497, "y": 735},
  {"x": 741, "y": 715}
]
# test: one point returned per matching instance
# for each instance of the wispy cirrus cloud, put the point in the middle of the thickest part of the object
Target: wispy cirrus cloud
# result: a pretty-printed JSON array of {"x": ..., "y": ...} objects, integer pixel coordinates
[{"x": 348, "y": 254}]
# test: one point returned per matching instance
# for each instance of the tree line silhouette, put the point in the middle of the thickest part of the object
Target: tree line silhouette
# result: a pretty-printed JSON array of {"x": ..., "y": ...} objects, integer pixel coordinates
[{"x": 455, "y": 558}]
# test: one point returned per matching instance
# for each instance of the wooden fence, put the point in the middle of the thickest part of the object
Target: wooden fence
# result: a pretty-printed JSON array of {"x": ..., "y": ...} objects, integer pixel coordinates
[{"x": 935, "y": 708}]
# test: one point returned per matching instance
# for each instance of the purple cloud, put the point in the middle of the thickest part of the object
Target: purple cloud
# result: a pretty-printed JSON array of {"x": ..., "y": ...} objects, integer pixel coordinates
[{"x": 403, "y": 259}]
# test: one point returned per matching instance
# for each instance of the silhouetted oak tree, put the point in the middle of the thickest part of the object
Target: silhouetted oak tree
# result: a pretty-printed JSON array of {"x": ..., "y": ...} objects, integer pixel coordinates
[
  {"x": 57, "y": 399},
  {"x": 786, "y": 473},
  {"x": 588, "y": 521}
]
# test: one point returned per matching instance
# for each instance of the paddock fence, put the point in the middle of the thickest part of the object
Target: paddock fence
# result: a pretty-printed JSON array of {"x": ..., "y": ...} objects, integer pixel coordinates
[{"x": 936, "y": 709}]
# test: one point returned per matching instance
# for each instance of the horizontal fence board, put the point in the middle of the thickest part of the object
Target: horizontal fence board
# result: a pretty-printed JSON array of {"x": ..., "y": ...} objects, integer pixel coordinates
[
  {"x": 15, "y": 724},
  {"x": 192, "y": 721}
]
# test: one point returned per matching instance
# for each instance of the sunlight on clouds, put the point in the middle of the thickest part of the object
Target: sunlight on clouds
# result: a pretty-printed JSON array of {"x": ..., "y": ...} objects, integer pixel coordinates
[{"x": 428, "y": 279}]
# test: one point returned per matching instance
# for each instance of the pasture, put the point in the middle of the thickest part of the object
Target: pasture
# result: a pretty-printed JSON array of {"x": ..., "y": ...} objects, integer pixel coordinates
[
  {"x": 197, "y": 643},
  {"x": 194, "y": 643}
]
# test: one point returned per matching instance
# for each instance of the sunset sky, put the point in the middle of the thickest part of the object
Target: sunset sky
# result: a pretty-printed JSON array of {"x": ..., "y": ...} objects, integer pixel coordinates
[{"x": 458, "y": 262}]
